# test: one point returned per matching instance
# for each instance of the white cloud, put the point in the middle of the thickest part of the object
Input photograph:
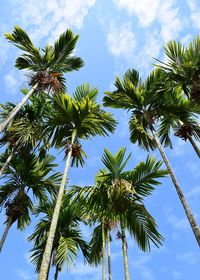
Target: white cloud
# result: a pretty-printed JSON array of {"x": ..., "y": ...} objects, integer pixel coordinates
[
  {"x": 177, "y": 223},
  {"x": 149, "y": 11},
  {"x": 171, "y": 23},
  {"x": 141, "y": 265},
  {"x": 194, "y": 193},
  {"x": 195, "y": 13},
  {"x": 24, "y": 274},
  {"x": 179, "y": 147},
  {"x": 149, "y": 50},
  {"x": 13, "y": 80},
  {"x": 121, "y": 40},
  {"x": 195, "y": 19},
  {"x": 189, "y": 257},
  {"x": 145, "y": 10},
  {"x": 50, "y": 20},
  {"x": 177, "y": 275},
  {"x": 82, "y": 269},
  {"x": 194, "y": 168}
]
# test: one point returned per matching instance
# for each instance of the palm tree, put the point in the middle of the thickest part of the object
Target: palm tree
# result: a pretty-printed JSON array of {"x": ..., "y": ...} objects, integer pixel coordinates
[
  {"x": 47, "y": 65},
  {"x": 68, "y": 238},
  {"x": 73, "y": 119},
  {"x": 118, "y": 196},
  {"x": 179, "y": 118},
  {"x": 26, "y": 130},
  {"x": 26, "y": 177},
  {"x": 182, "y": 67},
  {"x": 139, "y": 97}
]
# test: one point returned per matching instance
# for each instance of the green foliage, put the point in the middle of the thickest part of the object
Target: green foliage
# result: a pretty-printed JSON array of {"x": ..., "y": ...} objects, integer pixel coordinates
[
  {"x": 68, "y": 238},
  {"x": 81, "y": 114},
  {"x": 55, "y": 58}
]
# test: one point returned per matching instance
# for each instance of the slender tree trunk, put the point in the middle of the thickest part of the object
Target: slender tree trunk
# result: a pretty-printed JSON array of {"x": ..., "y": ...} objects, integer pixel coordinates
[
  {"x": 195, "y": 147},
  {"x": 125, "y": 251},
  {"x": 48, "y": 248},
  {"x": 103, "y": 252},
  {"x": 8, "y": 226},
  {"x": 6, "y": 163},
  {"x": 56, "y": 273},
  {"x": 109, "y": 256},
  {"x": 186, "y": 207},
  {"x": 17, "y": 108}
]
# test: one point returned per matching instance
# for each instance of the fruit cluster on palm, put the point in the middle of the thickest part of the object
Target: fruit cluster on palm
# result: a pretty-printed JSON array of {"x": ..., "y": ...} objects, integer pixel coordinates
[{"x": 48, "y": 117}]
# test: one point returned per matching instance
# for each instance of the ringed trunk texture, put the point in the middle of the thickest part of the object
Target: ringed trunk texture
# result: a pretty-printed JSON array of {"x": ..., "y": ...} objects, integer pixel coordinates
[
  {"x": 186, "y": 207},
  {"x": 8, "y": 226},
  {"x": 109, "y": 256},
  {"x": 103, "y": 253},
  {"x": 194, "y": 145},
  {"x": 48, "y": 248},
  {"x": 6, "y": 163},
  {"x": 56, "y": 273},
  {"x": 125, "y": 251},
  {"x": 17, "y": 108}
]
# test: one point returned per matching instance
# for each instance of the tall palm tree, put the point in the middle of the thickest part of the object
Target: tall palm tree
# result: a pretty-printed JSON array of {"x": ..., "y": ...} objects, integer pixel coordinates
[
  {"x": 68, "y": 238},
  {"x": 47, "y": 65},
  {"x": 26, "y": 177},
  {"x": 139, "y": 97},
  {"x": 119, "y": 195},
  {"x": 73, "y": 119},
  {"x": 182, "y": 67},
  {"x": 26, "y": 130}
]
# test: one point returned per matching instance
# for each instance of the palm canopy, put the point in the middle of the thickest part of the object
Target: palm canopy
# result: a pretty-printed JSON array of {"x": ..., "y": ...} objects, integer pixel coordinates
[
  {"x": 79, "y": 114},
  {"x": 27, "y": 177},
  {"x": 26, "y": 130},
  {"x": 182, "y": 66},
  {"x": 68, "y": 238},
  {"x": 56, "y": 59},
  {"x": 151, "y": 103},
  {"x": 181, "y": 117},
  {"x": 119, "y": 194}
]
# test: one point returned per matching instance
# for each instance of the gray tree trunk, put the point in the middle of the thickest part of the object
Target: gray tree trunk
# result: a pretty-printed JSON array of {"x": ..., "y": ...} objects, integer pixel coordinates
[
  {"x": 8, "y": 226},
  {"x": 109, "y": 256},
  {"x": 103, "y": 252},
  {"x": 186, "y": 207},
  {"x": 6, "y": 163},
  {"x": 48, "y": 248},
  {"x": 194, "y": 145},
  {"x": 125, "y": 251},
  {"x": 17, "y": 108},
  {"x": 56, "y": 273}
]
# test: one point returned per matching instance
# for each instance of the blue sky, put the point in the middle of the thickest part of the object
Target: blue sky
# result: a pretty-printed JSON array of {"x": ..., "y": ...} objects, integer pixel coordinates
[{"x": 114, "y": 36}]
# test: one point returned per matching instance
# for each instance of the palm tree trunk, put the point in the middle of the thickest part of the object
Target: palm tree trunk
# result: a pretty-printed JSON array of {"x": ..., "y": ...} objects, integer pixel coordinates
[
  {"x": 6, "y": 163},
  {"x": 125, "y": 252},
  {"x": 103, "y": 252},
  {"x": 56, "y": 272},
  {"x": 109, "y": 256},
  {"x": 192, "y": 142},
  {"x": 186, "y": 207},
  {"x": 8, "y": 226},
  {"x": 48, "y": 248},
  {"x": 17, "y": 108}
]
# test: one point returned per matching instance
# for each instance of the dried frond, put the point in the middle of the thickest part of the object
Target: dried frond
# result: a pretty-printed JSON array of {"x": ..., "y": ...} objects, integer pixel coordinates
[{"x": 184, "y": 131}]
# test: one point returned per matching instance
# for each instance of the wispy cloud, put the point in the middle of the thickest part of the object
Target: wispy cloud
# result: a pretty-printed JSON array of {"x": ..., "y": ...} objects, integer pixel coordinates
[
  {"x": 189, "y": 257},
  {"x": 121, "y": 40},
  {"x": 145, "y": 10},
  {"x": 24, "y": 274},
  {"x": 52, "y": 19}
]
